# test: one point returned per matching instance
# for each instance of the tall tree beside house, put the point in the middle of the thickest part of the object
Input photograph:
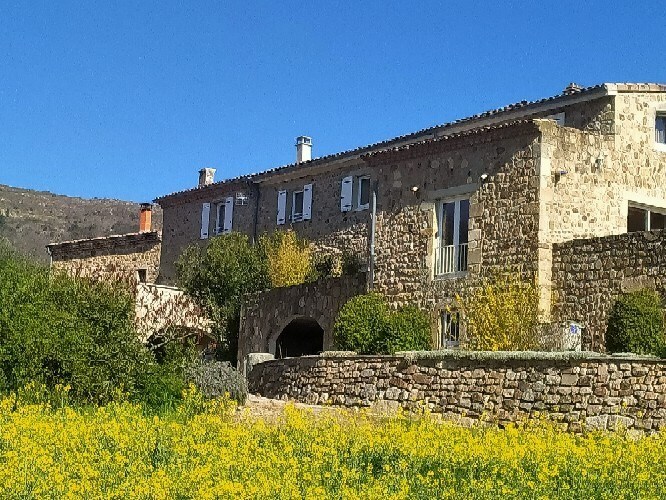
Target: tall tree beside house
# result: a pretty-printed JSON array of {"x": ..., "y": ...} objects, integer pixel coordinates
[{"x": 217, "y": 276}]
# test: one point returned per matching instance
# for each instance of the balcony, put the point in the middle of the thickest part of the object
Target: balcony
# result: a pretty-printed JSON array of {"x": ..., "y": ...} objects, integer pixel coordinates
[{"x": 450, "y": 259}]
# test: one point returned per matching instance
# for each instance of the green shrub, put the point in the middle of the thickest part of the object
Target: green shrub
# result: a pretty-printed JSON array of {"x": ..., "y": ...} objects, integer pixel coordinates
[
  {"x": 215, "y": 379},
  {"x": 56, "y": 330},
  {"x": 361, "y": 324},
  {"x": 407, "y": 330},
  {"x": 217, "y": 276},
  {"x": 365, "y": 324},
  {"x": 636, "y": 324},
  {"x": 323, "y": 266}
]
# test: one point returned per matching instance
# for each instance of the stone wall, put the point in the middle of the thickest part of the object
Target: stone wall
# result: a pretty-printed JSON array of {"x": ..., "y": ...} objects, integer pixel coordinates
[
  {"x": 265, "y": 314},
  {"x": 167, "y": 310},
  {"x": 503, "y": 220},
  {"x": 589, "y": 274},
  {"x": 112, "y": 258},
  {"x": 575, "y": 389},
  {"x": 182, "y": 216}
]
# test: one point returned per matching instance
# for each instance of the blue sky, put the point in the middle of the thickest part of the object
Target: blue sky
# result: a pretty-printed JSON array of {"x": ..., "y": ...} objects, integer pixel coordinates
[{"x": 130, "y": 99}]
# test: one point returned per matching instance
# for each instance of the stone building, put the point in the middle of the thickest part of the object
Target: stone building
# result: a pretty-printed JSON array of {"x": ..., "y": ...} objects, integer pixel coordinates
[
  {"x": 128, "y": 258},
  {"x": 557, "y": 188},
  {"x": 133, "y": 260}
]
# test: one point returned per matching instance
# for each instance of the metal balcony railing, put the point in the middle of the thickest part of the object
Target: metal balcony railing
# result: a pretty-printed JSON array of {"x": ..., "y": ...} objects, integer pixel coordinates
[{"x": 450, "y": 259}]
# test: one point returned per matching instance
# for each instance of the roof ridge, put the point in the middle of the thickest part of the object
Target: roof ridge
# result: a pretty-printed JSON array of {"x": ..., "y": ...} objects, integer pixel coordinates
[{"x": 572, "y": 91}]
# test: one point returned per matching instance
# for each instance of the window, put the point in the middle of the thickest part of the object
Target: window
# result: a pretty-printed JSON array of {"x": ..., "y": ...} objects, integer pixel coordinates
[
  {"x": 301, "y": 204},
  {"x": 363, "y": 195},
  {"x": 449, "y": 330},
  {"x": 219, "y": 221},
  {"x": 660, "y": 129},
  {"x": 355, "y": 193},
  {"x": 643, "y": 218},
  {"x": 142, "y": 275},
  {"x": 452, "y": 229},
  {"x": 225, "y": 212},
  {"x": 297, "y": 206}
]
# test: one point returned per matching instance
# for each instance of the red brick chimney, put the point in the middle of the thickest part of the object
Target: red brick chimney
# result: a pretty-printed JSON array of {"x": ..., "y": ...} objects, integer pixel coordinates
[{"x": 145, "y": 214}]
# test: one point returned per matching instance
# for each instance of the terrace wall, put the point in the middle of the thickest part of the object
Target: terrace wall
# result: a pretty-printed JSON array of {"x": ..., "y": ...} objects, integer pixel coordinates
[{"x": 576, "y": 389}]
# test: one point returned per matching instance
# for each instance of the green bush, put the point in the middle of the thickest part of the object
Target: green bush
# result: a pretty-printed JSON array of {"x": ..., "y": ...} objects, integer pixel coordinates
[
  {"x": 361, "y": 324},
  {"x": 636, "y": 324},
  {"x": 365, "y": 324},
  {"x": 407, "y": 330},
  {"x": 57, "y": 330},
  {"x": 215, "y": 379},
  {"x": 217, "y": 276}
]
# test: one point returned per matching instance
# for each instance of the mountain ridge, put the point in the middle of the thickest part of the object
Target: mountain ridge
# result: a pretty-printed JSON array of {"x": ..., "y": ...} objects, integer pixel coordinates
[{"x": 31, "y": 219}]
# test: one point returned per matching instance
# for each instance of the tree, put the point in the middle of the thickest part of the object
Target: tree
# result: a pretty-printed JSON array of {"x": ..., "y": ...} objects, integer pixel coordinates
[
  {"x": 217, "y": 276},
  {"x": 55, "y": 329},
  {"x": 502, "y": 315}
]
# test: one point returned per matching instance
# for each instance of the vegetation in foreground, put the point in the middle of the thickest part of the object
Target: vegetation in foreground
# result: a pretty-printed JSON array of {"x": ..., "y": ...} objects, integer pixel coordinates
[{"x": 205, "y": 450}]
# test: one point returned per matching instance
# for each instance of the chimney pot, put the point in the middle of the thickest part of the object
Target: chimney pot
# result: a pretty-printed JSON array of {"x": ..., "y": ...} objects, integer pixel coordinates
[
  {"x": 145, "y": 217},
  {"x": 303, "y": 148},
  {"x": 572, "y": 88},
  {"x": 206, "y": 176}
]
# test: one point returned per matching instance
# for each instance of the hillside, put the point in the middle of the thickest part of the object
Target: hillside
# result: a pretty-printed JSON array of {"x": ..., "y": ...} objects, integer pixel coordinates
[{"x": 29, "y": 220}]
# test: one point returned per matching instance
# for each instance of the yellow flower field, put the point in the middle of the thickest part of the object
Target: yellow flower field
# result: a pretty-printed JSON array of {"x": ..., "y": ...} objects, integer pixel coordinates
[{"x": 208, "y": 451}]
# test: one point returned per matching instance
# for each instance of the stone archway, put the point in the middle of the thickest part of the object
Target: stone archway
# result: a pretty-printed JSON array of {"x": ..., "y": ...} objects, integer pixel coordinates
[{"x": 300, "y": 337}]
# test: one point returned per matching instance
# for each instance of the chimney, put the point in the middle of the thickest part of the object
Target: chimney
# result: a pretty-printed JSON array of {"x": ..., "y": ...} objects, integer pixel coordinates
[
  {"x": 572, "y": 88},
  {"x": 145, "y": 214},
  {"x": 206, "y": 176},
  {"x": 303, "y": 149}
]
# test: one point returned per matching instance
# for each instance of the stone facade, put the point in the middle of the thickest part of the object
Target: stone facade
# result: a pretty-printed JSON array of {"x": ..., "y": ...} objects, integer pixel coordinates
[
  {"x": 588, "y": 274},
  {"x": 160, "y": 310},
  {"x": 536, "y": 175},
  {"x": 579, "y": 390},
  {"x": 112, "y": 258},
  {"x": 266, "y": 314}
]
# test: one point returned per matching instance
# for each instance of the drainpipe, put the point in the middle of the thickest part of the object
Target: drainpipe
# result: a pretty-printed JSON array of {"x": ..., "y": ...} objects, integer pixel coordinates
[
  {"x": 257, "y": 193},
  {"x": 373, "y": 220}
]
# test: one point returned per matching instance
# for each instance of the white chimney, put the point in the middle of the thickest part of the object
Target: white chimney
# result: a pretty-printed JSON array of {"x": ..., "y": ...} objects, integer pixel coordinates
[
  {"x": 303, "y": 149},
  {"x": 206, "y": 176}
]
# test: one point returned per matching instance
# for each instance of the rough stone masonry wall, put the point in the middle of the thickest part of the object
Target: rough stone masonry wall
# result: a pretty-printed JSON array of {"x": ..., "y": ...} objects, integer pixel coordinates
[
  {"x": 115, "y": 258},
  {"x": 182, "y": 221},
  {"x": 595, "y": 392},
  {"x": 265, "y": 314},
  {"x": 503, "y": 221},
  {"x": 589, "y": 274}
]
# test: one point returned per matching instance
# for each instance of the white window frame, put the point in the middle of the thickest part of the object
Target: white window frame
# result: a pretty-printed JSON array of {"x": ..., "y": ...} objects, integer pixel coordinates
[
  {"x": 224, "y": 213},
  {"x": 660, "y": 115},
  {"x": 648, "y": 210},
  {"x": 294, "y": 216},
  {"x": 281, "y": 207},
  {"x": 219, "y": 217},
  {"x": 449, "y": 339},
  {"x": 359, "y": 180},
  {"x": 205, "y": 220},
  {"x": 456, "y": 233}
]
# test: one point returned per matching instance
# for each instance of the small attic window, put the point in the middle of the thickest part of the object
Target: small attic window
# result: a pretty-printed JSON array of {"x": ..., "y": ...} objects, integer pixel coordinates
[
  {"x": 660, "y": 128},
  {"x": 142, "y": 275}
]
